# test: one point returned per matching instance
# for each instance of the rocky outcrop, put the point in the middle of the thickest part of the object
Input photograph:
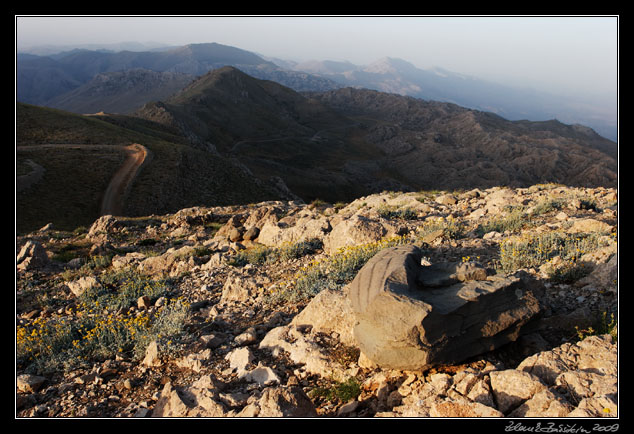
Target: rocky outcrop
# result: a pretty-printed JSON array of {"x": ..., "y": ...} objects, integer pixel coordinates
[
  {"x": 32, "y": 256},
  {"x": 477, "y": 341},
  {"x": 413, "y": 317}
]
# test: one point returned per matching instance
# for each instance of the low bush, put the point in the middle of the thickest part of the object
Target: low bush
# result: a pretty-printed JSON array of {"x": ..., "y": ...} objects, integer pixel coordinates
[
  {"x": 535, "y": 250},
  {"x": 261, "y": 255},
  {"x": 102, "y": 326}
]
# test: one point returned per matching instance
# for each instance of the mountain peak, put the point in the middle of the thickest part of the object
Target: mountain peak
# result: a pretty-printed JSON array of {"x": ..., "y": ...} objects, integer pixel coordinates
[{"x": 389, "y": 65}]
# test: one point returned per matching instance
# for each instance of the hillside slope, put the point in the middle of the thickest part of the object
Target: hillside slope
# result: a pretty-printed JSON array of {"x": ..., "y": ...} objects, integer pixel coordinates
[
  {"x": 442, "y": 145},
  {"x": 339, "y": 144},
  {"x": 70, "y": 191},
  {"x": 273, "y": 130},
  {"x": 120, "y": 91}
]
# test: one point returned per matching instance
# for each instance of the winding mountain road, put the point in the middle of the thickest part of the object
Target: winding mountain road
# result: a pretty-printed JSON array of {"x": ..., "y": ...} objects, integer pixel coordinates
[
  {"x": 121, "y": 182},
  {"x": 114, "y": 196}
]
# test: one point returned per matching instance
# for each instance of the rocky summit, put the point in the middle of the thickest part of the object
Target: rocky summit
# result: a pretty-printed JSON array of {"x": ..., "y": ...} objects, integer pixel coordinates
[{"x": 498, "y": 302}]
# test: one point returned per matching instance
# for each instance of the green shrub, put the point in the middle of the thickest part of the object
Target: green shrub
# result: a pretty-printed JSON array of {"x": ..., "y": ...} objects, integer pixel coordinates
[
  {"x": 602, "y": 326},
  {"x": 261, "y": 255},
  {"x": 450, "y": 227},
  {"x": 535, "y": 250},
  {"x": 394, "y": 212},
  {"x": 341, "y": 392},
  {"x": 513, "y": 221},
  {"x": 97, "y": 330},
  {"x": 547, "y": 205}
]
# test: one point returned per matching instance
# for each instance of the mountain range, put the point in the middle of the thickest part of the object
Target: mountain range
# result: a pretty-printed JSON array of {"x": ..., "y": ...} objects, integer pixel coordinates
[
  {"x": 49, "y": 79},
  {"x": 228, "y": 137},
  {"x": 346, "y": 142}
]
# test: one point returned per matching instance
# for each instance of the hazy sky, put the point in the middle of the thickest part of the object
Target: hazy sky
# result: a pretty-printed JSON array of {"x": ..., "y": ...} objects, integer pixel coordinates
[{"x": 558, "y": 54}]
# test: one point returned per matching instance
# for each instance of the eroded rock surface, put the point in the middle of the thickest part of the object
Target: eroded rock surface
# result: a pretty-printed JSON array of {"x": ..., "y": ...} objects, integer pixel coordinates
[{"x": 412, "y": 317}]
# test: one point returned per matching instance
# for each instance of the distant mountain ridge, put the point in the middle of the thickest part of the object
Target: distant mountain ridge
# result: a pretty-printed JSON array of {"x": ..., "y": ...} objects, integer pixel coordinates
[
  {"x": 401, "y": 77},
  {"x": 348, "y": 142},
  {"x": 43, "y": 80},
  {"x": 49, "y": 80},
  {"x": 121, "y": 91}
]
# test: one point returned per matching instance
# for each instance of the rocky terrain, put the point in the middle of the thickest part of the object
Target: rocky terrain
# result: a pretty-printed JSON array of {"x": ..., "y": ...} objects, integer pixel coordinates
[{"x": 258, "y": 310}]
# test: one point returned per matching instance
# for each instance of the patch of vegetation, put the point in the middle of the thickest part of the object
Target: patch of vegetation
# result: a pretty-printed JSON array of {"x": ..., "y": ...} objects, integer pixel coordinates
[
  {"x": 102, "y": 326},
  {"x": 451, "y": 228},
  {"x": 261, "y": 254},
  {"x": 603, "y": 325},
  {"x": 340, "y": 391},
  {"x": 427, "y": 195},
  {"x": 535, "y": 250},
  {"x": 547, "y": 205},
  {"x": 513, "y": 221},
  {"x": 332, "y": 272},
  {"x": 394, "y": 212}
]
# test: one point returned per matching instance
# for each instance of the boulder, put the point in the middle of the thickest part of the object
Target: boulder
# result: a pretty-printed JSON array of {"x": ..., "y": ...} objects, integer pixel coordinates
[
  {"x": 357, "y": 230},
  {"x": 239, "y": 288},
  {"x": 167, "y": 262},
  {"x": 102, "y": 229},
  {"x": 589, "y": 225},
  {"x": 275, "y": 233},
  {"x": 512, "y": 387},
  {"x": 28, "y": 383},
  {"x": 446, "y": 199},
  {"x": 328, "y": 312},
  {"x": 32, "y": 256},
  {"x": 251, "y": 234},
  {"x": 77, "y": 287},
  {"x": 200, "y": 399},
  {"x": 412, "y": 317},
  {"x": 281, "y": 401}
]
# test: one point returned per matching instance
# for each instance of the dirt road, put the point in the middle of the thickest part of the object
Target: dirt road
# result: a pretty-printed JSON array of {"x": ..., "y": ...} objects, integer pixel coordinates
[{"x": 121, "y": 182}]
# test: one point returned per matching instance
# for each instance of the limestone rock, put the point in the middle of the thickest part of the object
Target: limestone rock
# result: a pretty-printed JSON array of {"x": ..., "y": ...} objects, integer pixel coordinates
[
  {"x": 356, "y": 230},
  {"x": 281, "y": 401},
  {"x": 511, "y": 388},
  {"x": 275, "y": 233},
  {"x": 329, "y": 311},
  {"x": 238, "y": 288},
  {"x": 302, "y": 348},
  {"x": 28, "y": 383},
  {"x": 239, "y": 359},
  {"x": 452, "y": 408},
  {"x": 544, "y": 403},
  {"x": 77, "y": 287},
  {"x": 595, "y": 354},
  {"x": 263, "y": 375},
  {"x": 589, "y": 225},
  {"x": 251, "y": 234},
  {"x": 32, "y": 256},
  {"x": 404, "y": 324},
  {"x": 101, "y": 230},
  {"x": 201, "y": 399},
  {"x": 446, "y": 199},
  {"x": 152, "y": 355},
  {"x": 167, "y": 262}
]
